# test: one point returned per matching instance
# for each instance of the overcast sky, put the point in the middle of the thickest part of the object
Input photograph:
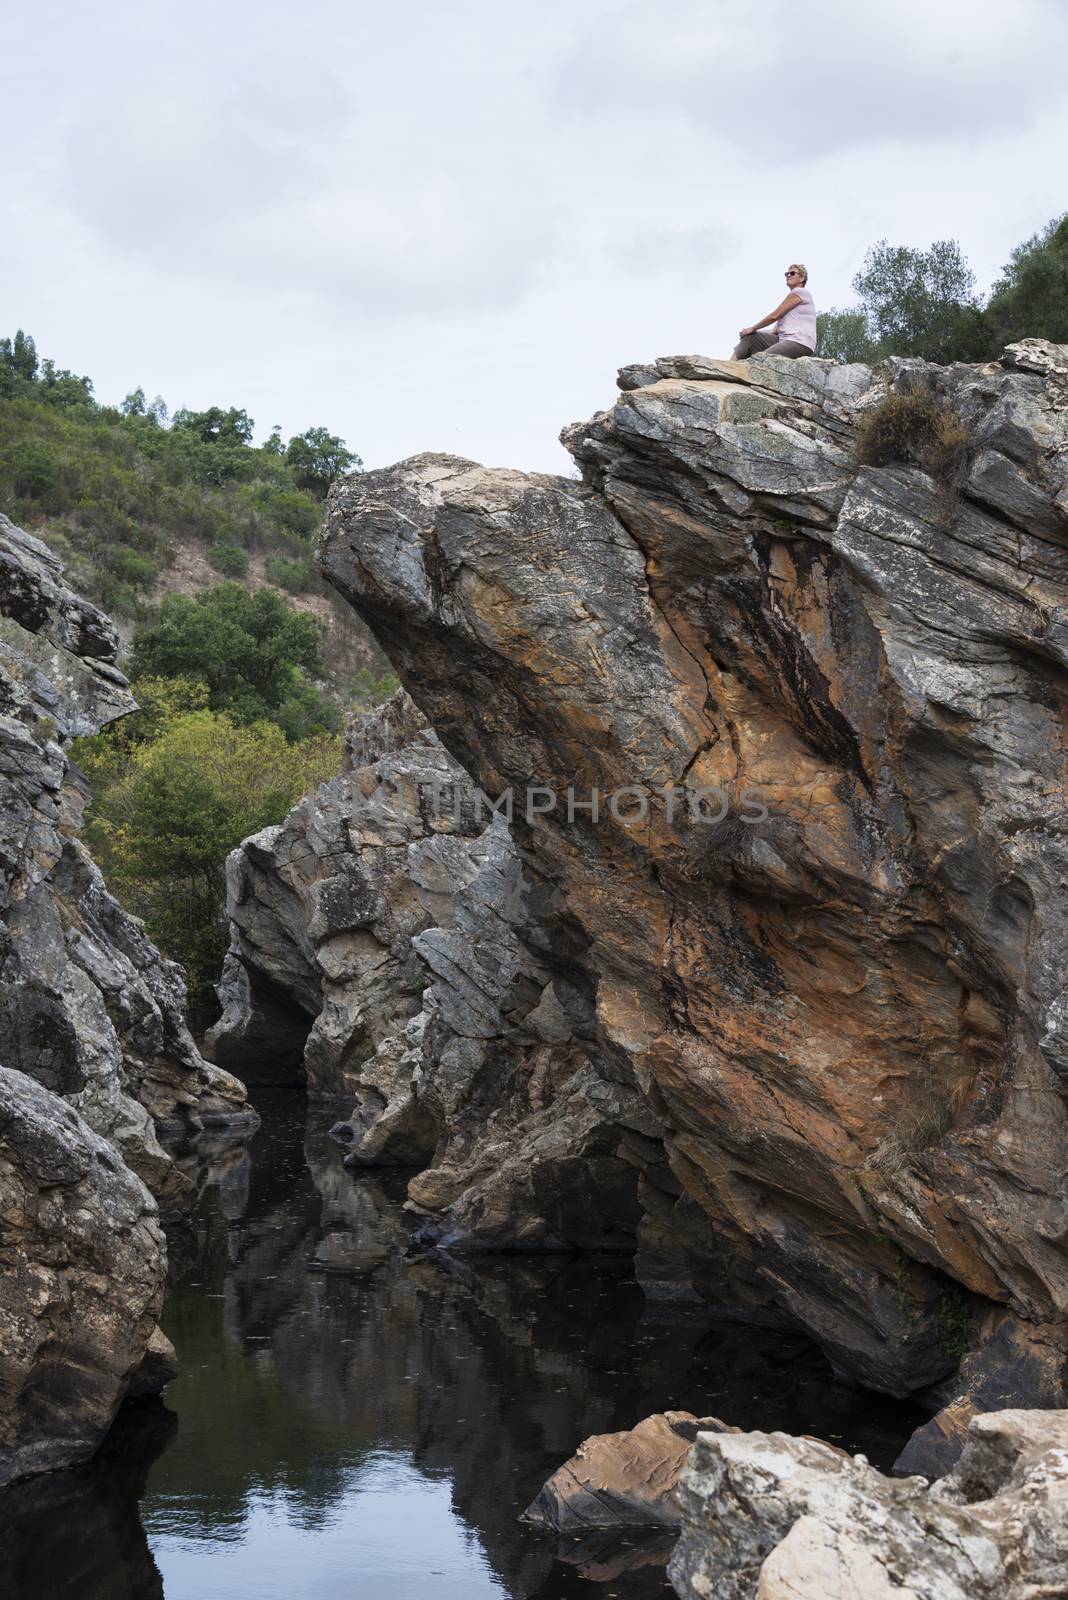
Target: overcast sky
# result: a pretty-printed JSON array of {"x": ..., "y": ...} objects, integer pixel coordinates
[{"x": 443, "y": 224}]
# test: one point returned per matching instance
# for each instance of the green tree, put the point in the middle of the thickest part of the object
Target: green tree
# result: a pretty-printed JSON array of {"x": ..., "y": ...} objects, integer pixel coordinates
[
  {"x": 216, "y": 426},
  {"x": 921, "y": 302},
  {"x": 18, "y": 357},
  {"x": 104, "y": 757},
  {"x": 179, "y": 800},
  {"x": 252, "y": 650},
  {"x": 134, "y": 404},
  {"x": 842, "y": 335},
  {"x": 307, "y": 713},
  {"x": 317, "y": 457},
  {"x": 61, "y": 387},
  {"x": 230, "y": 559},
  {"x": 1030, "y": 299}
]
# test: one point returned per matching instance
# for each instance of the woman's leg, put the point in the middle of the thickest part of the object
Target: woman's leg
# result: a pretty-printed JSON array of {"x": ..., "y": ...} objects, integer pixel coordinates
[
  {"x": 787, "y": 347},
  {"x": 753, "y": 344}
]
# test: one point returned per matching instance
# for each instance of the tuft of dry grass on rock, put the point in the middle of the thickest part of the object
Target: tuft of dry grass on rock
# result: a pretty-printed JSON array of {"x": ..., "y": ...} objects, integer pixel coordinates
[
  {"x": 915, "y": 1130},
  {"x": 914, "y": 427}
]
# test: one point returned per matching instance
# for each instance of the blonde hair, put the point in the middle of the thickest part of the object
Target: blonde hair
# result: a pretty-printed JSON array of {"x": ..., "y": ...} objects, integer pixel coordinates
[{"x": 796, "y": 266}]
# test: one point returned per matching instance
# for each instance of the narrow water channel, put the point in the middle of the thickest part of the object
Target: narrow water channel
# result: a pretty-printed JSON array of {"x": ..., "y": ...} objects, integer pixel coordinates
[{"x": 354, "y": 1418}]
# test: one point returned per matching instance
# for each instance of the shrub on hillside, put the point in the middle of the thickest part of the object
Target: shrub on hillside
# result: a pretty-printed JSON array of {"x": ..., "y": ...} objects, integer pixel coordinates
[
  {"x": 229, "y": 559},
  {"x": 293, "y": 509},
  {"x": 119, "y": 475},
  {"x": 31, "y": 470},
  {"x": 368, "y": 688},
  {"x": 298, "y": 577}
]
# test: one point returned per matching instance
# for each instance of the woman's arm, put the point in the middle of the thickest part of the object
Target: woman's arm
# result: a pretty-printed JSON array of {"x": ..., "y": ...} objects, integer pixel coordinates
[{"x": 773, "y": 316}]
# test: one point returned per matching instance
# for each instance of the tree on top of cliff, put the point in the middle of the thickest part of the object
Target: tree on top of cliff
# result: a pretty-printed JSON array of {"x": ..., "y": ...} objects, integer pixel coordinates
[
  {"x": 913, "y": 303},
  {"x": 1031, "y": 297},
  {"x": 923, "y": 302},
  {"x": 919, "y": 302}
]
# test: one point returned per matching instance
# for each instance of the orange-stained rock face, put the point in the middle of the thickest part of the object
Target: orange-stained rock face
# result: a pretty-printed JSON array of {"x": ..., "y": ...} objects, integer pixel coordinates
[{"x": 850, "y": 1014}]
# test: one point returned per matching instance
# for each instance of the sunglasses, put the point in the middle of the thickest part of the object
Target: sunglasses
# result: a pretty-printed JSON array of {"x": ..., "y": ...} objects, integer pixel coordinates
[{"x": 793, "y": 274}]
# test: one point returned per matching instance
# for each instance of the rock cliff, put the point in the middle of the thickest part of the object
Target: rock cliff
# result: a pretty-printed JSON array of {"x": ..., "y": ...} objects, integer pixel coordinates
[
  {"x": 96, "y": 1062},
  {"x": 400, "y": 934},
  {"x": 787, "y": 1009},
  {"x": 83, "y": 1264},
  {"x": 88, "y": 1007},
  {"x": 824, "y": 931}
]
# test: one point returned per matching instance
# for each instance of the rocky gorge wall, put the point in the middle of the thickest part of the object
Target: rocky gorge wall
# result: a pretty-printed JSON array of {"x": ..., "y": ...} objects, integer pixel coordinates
[
  {"x": 88, "y": 1006},
  {"x": 96, "y": 1062},
  {"x": 840, "y": 1007},
  {"x": 396, "y": 938}
]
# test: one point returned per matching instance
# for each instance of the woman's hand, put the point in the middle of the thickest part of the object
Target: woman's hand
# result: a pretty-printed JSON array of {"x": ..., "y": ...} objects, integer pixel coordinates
[{"x": 773, "y": 316}]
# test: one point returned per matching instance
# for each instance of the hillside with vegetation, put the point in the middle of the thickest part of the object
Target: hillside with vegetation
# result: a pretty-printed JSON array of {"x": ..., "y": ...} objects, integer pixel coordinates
[
  {"x": 139, "y": 504},
  {"x": 199, "y": 543}
]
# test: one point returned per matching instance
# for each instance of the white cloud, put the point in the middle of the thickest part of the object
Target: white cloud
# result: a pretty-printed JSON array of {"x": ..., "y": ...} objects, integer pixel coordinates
[
  {"x": 665, "y": 252},
  {"x": 433, "y": 246},
  {"x": 314, "y": 181},
  {"x": 800, "y": 80}
]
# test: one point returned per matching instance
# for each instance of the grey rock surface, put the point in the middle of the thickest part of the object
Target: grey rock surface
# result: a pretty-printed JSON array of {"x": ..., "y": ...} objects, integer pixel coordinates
[
  {"x": 82, "y": 1269},
  {"x": 847, "y": 1019},
  {"x": 88, "y": 1006},
  {"x": 323, "y": 909},
  {"x": 406, "y": 929},
  {"x": 772, "y": 1517}
]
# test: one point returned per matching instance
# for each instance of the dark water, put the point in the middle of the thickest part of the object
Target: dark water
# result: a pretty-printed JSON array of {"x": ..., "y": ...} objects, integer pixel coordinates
[{"x": 353, "y": 1420}]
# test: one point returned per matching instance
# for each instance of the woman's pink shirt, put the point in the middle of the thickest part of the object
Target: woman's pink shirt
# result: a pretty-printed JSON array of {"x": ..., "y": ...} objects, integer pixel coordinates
[{"x": 799, "y": 322}]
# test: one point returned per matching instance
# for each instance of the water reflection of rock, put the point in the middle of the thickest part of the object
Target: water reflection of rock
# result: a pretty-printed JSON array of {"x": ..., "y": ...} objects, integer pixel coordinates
[
  {"x": 312, "y": 1334},
  {"x": 487, "y": 1374},
  {"x": 603, "y": 1556},
  {"x": 337, "y": 1340},
  {"x": 78, "y": 1533}
]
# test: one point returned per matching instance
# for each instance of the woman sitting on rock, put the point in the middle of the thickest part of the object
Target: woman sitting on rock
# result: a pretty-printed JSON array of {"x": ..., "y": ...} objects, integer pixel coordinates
[{"x": 795, "y": 320}]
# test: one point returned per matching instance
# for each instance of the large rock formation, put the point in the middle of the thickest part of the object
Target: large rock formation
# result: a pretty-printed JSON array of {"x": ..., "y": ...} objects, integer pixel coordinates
[
  {"x": 770, "y": 1517},
  {"x": 408, "y": 927},
  {"x": 843, "y": 1003},
  {"x": 88, "y": 1006},
  {"x": 324, "y": 907},
  {"x": 82, "y": 1269}
]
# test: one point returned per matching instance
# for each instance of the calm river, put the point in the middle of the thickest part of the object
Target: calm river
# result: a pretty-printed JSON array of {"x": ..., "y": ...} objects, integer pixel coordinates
[{"x": 356, "y": 1419}]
